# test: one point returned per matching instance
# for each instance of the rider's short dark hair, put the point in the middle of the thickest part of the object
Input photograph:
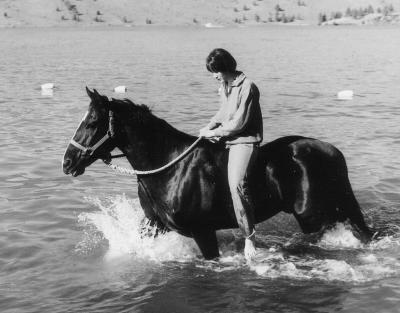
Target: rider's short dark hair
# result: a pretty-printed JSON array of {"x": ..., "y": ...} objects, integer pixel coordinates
[{"x": 220, "y": 60}]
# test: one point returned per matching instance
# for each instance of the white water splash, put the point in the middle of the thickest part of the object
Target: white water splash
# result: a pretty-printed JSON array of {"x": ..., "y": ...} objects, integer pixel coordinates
[
  {"x": 362, "y": 263},
  {"x": 119, "y": 221},
  {"x": 340, "y": 236},
  {"x": 362, "y": 268}
]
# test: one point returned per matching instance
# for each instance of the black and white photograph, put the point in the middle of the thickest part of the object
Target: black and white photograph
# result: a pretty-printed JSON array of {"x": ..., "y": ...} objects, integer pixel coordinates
[{"x": 200, "y": 156}]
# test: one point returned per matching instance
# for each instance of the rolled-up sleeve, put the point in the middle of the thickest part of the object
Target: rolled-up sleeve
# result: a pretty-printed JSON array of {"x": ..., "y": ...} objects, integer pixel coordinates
[{"x": 239, "y": 120}]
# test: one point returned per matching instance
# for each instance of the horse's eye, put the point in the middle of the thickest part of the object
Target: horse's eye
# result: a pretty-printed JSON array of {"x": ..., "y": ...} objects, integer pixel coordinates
[{"x": 91, "y": 124}]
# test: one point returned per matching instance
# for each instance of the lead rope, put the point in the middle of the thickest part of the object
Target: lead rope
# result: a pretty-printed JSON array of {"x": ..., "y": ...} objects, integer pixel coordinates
[{"x": 133, "y": 172}]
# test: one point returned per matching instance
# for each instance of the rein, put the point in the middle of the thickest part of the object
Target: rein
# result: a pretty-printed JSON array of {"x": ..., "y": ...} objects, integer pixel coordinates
[
  {"x": 133, "y": 172},
  {"x": 110, "y": 135}
]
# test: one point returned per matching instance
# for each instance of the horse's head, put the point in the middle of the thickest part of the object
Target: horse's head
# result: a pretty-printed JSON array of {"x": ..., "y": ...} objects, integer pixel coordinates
[{"x": 92, "y": 139}]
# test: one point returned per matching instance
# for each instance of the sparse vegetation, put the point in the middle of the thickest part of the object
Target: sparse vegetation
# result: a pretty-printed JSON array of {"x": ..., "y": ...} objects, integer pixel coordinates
[
  {"x": 74, "y": 10},
  {"x": 278, "y": 13},
  {"x": 71, "y": 7},
  {"x": 356, "y": 13},
  {"x": 239, "y": 12},
  {"x": 322, "y": 18},
  {"x": 388, "y": 9},
  {"x": 335, "y": 15},
  {"x": 288, "y": 19}
]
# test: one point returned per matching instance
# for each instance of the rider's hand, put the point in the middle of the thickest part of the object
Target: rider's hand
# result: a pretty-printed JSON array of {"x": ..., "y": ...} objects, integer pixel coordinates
[
  {"x": 204, "y": 129},
  {"x": 206, "y": 133}
]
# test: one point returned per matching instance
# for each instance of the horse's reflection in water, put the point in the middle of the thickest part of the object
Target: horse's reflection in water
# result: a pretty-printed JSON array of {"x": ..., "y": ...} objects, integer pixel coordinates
[{"x": 302, "y": 176}]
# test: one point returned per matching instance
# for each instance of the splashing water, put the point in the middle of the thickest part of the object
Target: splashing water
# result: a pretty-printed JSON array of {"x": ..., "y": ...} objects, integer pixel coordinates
[
  {"x": 120, "y": 222},
  {"x": 340, "y": 236},
  {"x": 353, "y": 261},
  {"x": 337, "y": 256}
]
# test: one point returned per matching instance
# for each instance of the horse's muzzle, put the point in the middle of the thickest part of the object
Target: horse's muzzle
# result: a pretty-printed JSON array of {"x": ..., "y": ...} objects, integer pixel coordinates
[{"x": 68, "y": 168}]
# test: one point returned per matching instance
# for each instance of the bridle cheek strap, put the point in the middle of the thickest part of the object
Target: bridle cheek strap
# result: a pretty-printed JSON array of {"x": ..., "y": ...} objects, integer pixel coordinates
[
  {"x": 109, "y": 135},
  {"x": 91, "y": 150}
]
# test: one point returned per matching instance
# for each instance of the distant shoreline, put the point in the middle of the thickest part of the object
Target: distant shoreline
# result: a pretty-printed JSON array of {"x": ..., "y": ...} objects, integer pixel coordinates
[
  {"x": 330, "y": 24},
  {"x": 193, "y": 13}
]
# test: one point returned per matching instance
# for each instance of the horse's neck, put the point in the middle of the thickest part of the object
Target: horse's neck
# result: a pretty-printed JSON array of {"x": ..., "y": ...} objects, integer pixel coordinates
[{"x": 154, "y": 145}]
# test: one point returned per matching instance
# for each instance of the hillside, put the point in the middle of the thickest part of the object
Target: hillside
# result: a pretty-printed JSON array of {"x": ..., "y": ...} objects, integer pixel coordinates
[{"x": 38, "y": 13}]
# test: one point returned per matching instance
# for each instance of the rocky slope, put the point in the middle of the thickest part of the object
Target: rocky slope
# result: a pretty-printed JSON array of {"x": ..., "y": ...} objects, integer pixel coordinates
[{"x": 37, "y": 13}]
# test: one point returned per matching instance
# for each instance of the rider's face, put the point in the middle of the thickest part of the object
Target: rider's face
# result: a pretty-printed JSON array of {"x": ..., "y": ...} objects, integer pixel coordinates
[{"x": 221, "y": 76}]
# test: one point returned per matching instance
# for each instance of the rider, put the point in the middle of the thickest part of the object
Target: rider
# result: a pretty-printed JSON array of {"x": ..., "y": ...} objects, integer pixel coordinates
[{"x": 239, "y": 123}]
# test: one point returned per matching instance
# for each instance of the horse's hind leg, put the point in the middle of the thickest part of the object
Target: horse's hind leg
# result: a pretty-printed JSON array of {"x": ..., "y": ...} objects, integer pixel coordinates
[
  {"x": 206, "y": 239},
  {"x": 350, "y": 208}
]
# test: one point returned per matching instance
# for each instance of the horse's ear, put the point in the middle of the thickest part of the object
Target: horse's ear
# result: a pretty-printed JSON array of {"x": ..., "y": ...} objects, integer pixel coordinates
[
  {"x": 96, "y": 93},
  {"x": 90, "y": 94}
]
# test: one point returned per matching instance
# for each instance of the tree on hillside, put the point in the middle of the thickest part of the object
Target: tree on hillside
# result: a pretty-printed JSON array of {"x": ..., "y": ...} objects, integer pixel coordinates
[
  {"x": 278, "y": 14},
  {"x": 322, "y": 18},
  {"x": 335, "y": 15},
  {"x": 388, "y": 9}
]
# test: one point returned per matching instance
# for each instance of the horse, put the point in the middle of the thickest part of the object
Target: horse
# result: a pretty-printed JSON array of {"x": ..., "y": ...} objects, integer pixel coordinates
[{"x": 302, "y": 176}]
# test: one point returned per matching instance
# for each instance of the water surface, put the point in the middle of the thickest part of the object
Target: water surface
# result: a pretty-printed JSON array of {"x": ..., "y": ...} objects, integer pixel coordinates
[{"x": 72, "y": 244}]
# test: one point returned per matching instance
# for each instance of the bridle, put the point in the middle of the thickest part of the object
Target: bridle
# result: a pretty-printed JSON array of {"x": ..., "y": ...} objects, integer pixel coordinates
[{"x": 110, "y": 134}]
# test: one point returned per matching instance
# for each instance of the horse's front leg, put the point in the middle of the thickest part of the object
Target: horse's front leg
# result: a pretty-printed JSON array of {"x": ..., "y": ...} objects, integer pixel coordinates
[
  {"x": 152, "y": 228},
  {"x": 206, "y": 239}
]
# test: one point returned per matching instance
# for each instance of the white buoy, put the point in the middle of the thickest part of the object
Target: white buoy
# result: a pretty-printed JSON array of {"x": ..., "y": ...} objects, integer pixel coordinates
[
  {"x": 120, "y": 89},
  {"x": 345, "y": 95},
  {"x": 47, "y": 86},
  {"x": 47, "y": 92},
  {"x": 211, "y": 25}
]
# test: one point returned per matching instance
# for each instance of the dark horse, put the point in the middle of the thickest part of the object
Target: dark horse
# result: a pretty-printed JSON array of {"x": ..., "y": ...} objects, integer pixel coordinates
[{"x": 298, "y": 175}]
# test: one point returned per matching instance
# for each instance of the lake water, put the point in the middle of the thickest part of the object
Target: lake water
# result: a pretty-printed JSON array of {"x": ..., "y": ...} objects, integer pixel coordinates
[{"x": 72, "y": 244}]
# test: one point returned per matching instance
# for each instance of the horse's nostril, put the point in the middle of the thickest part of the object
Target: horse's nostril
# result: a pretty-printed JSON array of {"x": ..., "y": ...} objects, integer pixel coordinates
[{"x": 67, "y": 163}]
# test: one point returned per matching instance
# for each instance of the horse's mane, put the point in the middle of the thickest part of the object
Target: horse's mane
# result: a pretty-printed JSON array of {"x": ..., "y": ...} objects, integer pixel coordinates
[
  {"x": 129, "y": 105},
  {"x": 141, "y": 114},
  {"x": 131, "y": 111}
]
